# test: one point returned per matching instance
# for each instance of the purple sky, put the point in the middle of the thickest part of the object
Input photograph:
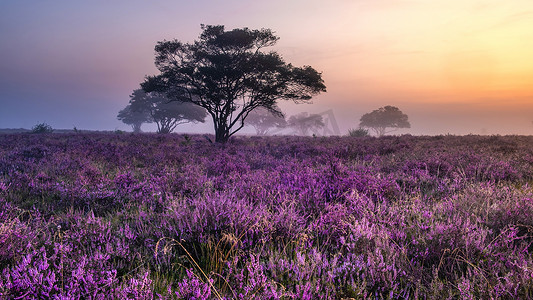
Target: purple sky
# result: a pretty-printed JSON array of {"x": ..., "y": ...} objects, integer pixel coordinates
[{"x": 455, "y": 66}]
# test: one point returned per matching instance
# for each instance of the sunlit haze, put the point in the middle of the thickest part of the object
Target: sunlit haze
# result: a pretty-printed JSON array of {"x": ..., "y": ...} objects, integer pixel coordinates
[{"x": 453, "y": 66}]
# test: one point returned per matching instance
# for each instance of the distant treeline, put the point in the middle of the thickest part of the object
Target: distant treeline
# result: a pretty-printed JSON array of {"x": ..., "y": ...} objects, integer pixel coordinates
[{"x": 23, "y": 130}]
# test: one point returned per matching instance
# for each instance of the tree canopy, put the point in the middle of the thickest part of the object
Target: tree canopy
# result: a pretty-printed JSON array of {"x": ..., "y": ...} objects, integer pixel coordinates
[
  {"x": 385, "y": 117},
  {"x": 264, "y": 120},
  {"x": 166, "y": 114},
  {"x": 229, "y": 74},
  {"x": 134, "y": 118},
  {"x": 303, "y": 123}
]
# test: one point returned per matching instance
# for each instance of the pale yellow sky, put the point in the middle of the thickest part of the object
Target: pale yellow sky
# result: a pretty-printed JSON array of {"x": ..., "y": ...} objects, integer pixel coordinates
[{"x": 457, "y": 48}]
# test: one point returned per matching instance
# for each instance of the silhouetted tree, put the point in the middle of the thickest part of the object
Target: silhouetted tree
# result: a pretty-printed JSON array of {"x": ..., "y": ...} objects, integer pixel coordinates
[
  {"x": 134, "y": 118},
  {"x": 229, "y": 74},
  {"x": 303, "y": 123},
  {"x": 263, "y": 120},
  {"x": 166, "y": 114},
  {"x": 385, "y": 117}
]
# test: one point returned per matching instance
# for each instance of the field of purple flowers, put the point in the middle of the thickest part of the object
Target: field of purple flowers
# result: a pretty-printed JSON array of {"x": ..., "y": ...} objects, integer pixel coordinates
[{"x": 101, "y": 216}]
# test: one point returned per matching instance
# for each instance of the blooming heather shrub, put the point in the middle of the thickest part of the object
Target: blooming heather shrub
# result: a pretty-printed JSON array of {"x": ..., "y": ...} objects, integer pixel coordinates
[
  {"x": 106, "y": 216},
  {"x": 191, "y": 287},
  {"x": 40, "y": 275},
  {"x": 248, "y": 279},
  {"x": 11, "y": 231},
  {"x": 138, "y": 287},
  {"x": 333, "y": 223}
]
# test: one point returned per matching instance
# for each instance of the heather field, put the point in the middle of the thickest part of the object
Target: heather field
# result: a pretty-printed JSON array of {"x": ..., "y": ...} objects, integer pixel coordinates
[{"x": 147, "y": 216}]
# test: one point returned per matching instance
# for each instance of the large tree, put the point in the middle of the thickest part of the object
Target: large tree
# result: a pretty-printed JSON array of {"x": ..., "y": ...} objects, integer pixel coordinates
[
  {"x": 303, "y": 123},
  {"x": 166, "y": 114},
  {"x": 134, "y": 118},
  {"x": 229, "y": 74},
  {"x": 264, "y": 120},
  {"x": 385, "y": 117}
]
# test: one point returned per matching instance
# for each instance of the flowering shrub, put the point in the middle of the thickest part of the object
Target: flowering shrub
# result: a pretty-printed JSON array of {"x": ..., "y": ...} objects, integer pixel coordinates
[{"x": 105, "y": 216}]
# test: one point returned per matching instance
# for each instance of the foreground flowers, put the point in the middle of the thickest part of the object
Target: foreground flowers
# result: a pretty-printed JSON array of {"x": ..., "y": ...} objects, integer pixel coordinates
[{"x": 150, "y": 216}]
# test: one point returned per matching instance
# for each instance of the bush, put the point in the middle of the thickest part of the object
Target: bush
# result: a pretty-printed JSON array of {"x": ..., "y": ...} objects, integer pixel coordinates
[
  {"x": 42, "y": 128},
  {"x": 358, "y": 132}
]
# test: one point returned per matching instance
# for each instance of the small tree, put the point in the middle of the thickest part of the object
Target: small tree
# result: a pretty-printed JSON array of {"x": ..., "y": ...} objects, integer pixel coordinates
[
  {"x": 303, "y": 123},
  {"x": 385, "y": 117},
  {"x": 134, "y": 118},
  {"x": 228, "y": 74},
  {"x": 166, "y": 114},
  {"x": 263, "y": 120}
]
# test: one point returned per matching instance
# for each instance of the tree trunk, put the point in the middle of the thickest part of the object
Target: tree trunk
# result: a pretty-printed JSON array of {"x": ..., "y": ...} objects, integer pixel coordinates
[
  {"x": 221, "y": 135},
  {"x": 164, "y": 130},
  {"x": 136, "y": 127}
]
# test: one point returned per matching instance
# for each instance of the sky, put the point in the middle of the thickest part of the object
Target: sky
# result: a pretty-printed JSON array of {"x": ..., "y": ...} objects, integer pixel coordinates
[{"x": 453, "y": 66}]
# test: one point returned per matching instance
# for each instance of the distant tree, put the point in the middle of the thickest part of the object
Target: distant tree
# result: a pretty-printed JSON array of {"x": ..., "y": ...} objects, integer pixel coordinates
[
  {"x": 385, "y": 117},
  {"x": 42, "y": 128},
  {"x": 304, "y": 123},
  {"x": 166, "y": 114},
  {"x": 134, "y": 118},
  {"x": 358, "y": 132},
  {"x": 228, "y": 74},
  {"x": 263, "y": 120}
]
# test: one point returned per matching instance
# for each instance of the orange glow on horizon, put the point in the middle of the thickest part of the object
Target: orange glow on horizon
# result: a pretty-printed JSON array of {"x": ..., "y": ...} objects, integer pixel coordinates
[{"x": 453, "y": 50}]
